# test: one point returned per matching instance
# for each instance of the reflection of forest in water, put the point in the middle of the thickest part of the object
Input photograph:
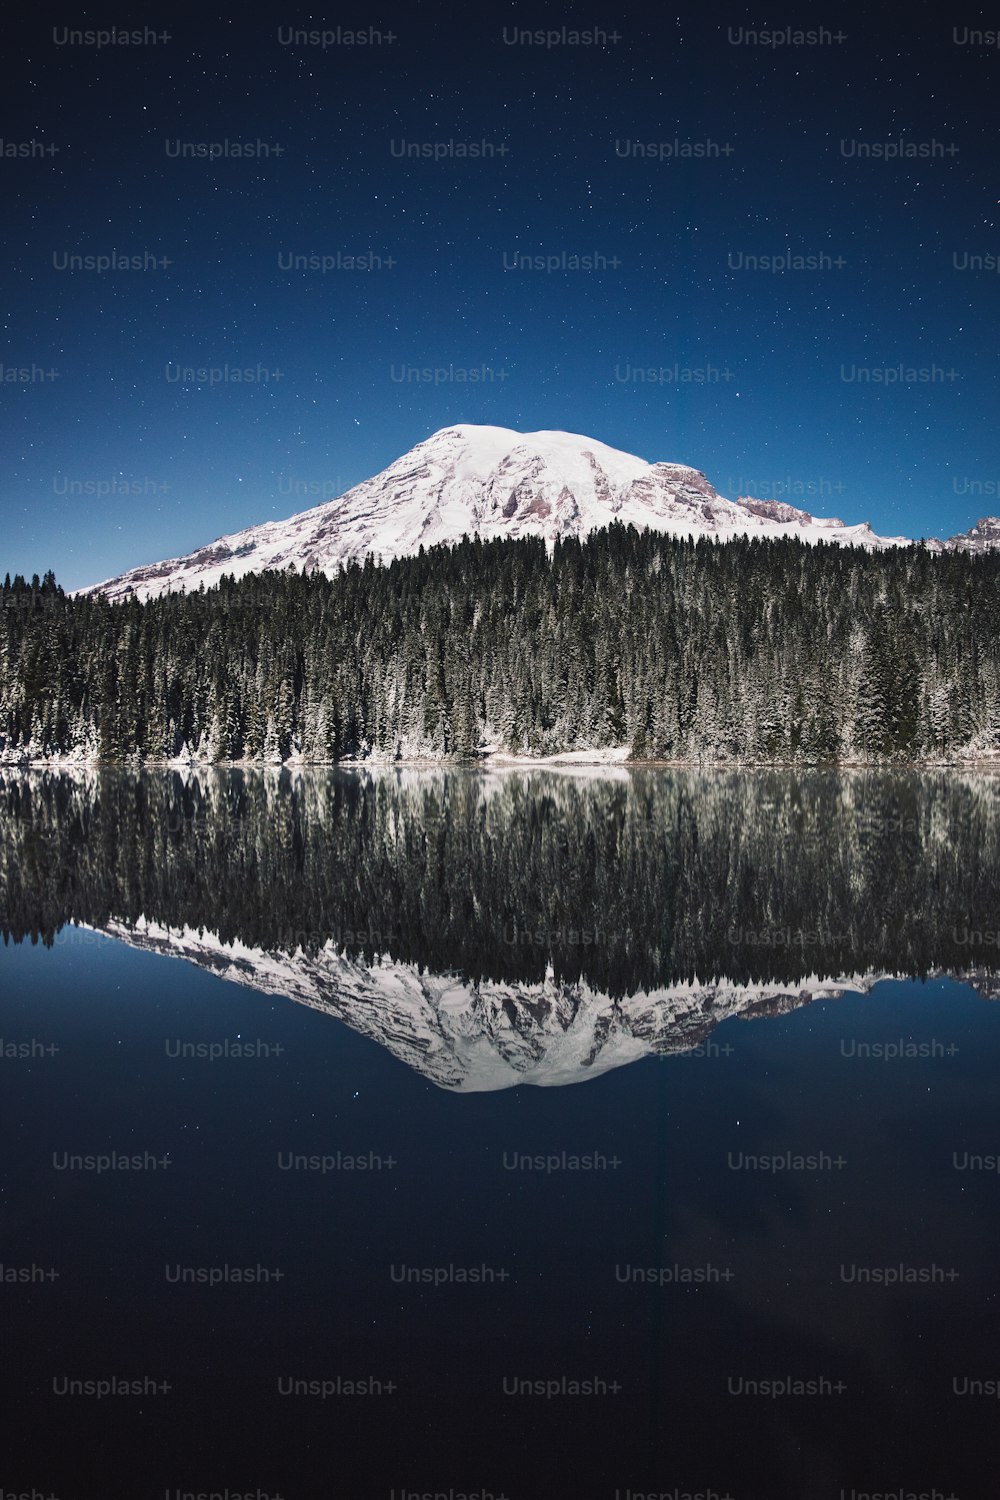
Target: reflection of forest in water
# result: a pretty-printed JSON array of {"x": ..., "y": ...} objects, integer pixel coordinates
[{"x": 629, "y": 880}]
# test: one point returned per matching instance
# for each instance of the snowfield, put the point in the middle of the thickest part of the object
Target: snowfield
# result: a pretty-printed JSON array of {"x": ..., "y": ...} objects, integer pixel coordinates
[{"x": 491, "y": 482}]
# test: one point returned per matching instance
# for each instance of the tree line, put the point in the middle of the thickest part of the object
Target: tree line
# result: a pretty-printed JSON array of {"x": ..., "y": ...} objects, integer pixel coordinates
[
  {"x": 627, "y": 880},
  {"x": 748, "y": 651}
]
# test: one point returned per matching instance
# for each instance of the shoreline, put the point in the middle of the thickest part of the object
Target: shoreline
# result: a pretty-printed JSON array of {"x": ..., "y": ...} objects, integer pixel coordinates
[{"x": 609, "y": 759}]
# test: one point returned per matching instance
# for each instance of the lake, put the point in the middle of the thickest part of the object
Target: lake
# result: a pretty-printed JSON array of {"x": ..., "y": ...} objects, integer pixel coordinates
[{"x": 523, "y": 1133}]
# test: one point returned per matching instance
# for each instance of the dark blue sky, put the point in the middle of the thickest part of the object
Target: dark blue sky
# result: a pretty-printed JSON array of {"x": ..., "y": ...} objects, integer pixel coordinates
[{"x": 119, "y": 460}]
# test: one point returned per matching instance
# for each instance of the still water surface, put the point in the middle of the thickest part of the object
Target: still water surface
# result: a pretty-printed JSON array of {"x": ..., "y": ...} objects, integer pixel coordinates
[{"x": 524, "y": 1134}]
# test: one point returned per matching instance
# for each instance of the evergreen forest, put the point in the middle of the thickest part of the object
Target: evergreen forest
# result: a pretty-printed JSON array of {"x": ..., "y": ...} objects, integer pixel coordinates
[{"x": 744, "y": 652}]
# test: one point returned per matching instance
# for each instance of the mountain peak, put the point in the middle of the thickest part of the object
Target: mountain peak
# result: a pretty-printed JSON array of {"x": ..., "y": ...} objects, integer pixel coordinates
[
  {"x": 490, "y": 482},
  {"x": 979, "y": 538}
]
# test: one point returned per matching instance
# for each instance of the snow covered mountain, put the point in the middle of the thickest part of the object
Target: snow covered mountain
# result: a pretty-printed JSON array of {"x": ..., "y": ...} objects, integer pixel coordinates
[
  {"x": 489, "y": 482},
  {"x": 477, "y": 1036},
  {"x": 982, "y": 537}
]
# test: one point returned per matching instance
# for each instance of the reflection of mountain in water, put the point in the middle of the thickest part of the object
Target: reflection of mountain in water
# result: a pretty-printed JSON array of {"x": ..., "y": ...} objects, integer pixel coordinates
[
  {"x": 538, "y": 927},
  {"x": 485, "y": 1034}
]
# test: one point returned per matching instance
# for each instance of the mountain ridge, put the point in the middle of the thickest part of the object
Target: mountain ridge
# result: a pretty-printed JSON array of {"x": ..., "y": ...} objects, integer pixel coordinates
[
  {"x": 494, "y": 482},
  {"x": 480, "y": 1036}
]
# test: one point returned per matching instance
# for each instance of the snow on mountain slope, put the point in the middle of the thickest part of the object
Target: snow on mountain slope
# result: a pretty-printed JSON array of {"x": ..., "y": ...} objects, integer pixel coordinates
[
  {"x": 982, "y": 537},
  {"x": 489, "y": 482},
  {"x": 477, "y": 1036}
]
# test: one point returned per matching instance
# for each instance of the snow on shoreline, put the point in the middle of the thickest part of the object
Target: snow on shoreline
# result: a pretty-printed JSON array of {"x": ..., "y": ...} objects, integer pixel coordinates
[{"x": 614, "y": 759}]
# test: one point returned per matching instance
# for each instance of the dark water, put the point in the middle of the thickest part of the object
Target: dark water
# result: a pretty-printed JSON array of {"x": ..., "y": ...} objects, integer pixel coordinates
[{"x": 635, "y": 1133}]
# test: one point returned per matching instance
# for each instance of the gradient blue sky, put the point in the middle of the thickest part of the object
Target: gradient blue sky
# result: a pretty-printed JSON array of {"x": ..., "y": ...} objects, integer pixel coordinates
[{"x": 189, "y": 463}]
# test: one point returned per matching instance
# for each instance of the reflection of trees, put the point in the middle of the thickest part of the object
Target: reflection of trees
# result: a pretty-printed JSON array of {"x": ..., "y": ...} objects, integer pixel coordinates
[{"x": 672, "y": 874}]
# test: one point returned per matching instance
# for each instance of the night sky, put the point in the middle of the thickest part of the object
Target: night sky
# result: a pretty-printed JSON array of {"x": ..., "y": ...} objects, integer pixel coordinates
[{"x": 121, "y": 459}]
